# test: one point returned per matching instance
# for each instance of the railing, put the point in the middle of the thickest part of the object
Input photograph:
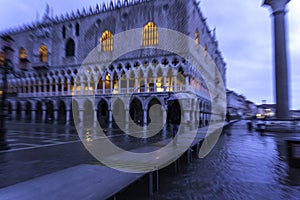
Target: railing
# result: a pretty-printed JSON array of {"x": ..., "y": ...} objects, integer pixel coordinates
[{"x": 152, "y": 89}]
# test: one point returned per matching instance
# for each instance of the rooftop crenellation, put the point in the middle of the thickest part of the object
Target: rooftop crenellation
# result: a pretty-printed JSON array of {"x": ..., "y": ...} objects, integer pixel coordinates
[{"x": 108, "y": 6}]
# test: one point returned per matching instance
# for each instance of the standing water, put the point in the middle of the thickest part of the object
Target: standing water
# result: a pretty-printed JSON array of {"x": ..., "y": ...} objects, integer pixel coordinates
[{"x": 242, "y": 165}]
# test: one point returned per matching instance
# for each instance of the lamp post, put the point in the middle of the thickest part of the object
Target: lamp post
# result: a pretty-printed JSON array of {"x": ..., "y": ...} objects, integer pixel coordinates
[{"x": 4, "y": 68}]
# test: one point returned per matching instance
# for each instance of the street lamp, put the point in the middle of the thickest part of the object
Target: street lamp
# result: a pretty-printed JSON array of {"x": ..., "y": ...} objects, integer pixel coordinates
[{"x": 5, "y": 68}]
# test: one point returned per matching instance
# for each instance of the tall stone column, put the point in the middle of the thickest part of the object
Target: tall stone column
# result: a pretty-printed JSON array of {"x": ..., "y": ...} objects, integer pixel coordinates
[{"x": 281, "y": 67}]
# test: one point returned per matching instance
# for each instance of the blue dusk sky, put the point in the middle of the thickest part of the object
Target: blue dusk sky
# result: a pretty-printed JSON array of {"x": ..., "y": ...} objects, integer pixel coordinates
[{"x": 243, "y": 29}]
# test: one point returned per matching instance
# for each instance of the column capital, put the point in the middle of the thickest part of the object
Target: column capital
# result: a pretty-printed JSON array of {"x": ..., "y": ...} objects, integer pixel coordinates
[{"x": 277, "y": 6}]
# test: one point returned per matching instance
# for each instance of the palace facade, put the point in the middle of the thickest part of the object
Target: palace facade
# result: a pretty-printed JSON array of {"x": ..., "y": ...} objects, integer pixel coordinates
[{"x": 51, "y": 50}]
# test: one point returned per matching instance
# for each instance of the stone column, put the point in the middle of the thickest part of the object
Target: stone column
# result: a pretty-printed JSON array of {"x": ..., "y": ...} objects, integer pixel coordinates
[
  {"x": 110, "y": 116},
  {"x": 127, "y": 116},
  {"x": 281, "y": 67},
  {"x": 103, "y": 87},
  {"x": 111, "y": 86},
  {"x": 175, "y": 83},
  {"x": 127, "y": 85},
  {"x": 95, "y": 117},
  {"x": 186, "y": 82},
  {"x": 67, "y": 116},
  {"x": 136, "y": 84},
  {"x": 33, "y": 112},
  {"x": 119, "y": 85},
  {"x": 145, "y": 116},
  {"x": 154, "y": 84},
  {"x": 69, "y": 87},
  {"x": 165, "y": 83},
  {"x": 145, "y": 83},
  {"x": 44, "y": 113}
]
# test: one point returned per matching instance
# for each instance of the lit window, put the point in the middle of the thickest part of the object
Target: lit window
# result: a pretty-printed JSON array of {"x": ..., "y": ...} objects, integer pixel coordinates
[
  {"x": 197, "y": 37},
  {"x": 107, "y": 41},
  {"x": 150, "y": 34},
  {"x": 43, "y": 52},
  {"x": 22, "y": 54}
]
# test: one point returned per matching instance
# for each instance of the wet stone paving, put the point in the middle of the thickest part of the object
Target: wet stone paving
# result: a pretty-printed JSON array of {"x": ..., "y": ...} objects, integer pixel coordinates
[{"x": 243, "y": 164}]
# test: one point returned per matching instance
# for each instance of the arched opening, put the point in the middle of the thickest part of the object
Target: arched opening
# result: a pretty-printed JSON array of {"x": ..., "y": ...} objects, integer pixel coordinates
[
  {"x": 155, "y": 117},
  {"x": 136, "y": 111},
  {"x": 180, "y": 79},
  {"x": 118, "y": 112},
  {"x": 9, "y": 109},
  {"x": 74, "y": 116},
  {"x": 39, "y": 112},
  {"x": 132, "y": 80},
  {"x": 170, "y": 79},
  {"x": 150, "y": 81},
  {"x": 159, "y": 81},
  {"x": 115, "y": 83},
  {"x": 19, "y": 111},
  {"x": 88, "y": 114},
  {"x": 174, "y": 110},
  {"x": 49, "y": 111},
  {"x": 61, "y": 112},
  {"x": 107, "y": 83},
  {"x": 123, "y": 82},
  {"x": 43, "y": 53},
  {"x": 28, "y": 111},
  {"x": 100, "y": 85},
  {"x": 70, "y": 48},
  {"x": 103, "y": 114},
  {"x": 142, "y": 86}
]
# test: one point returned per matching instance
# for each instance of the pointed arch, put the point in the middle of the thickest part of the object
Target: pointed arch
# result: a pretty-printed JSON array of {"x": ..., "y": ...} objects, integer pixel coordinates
[
  {"x": 107, "y": 41},
  {"x": 43, "y": 53},
  {"x": 150, "y": 34},
  {"x": 70, "y": 48}
]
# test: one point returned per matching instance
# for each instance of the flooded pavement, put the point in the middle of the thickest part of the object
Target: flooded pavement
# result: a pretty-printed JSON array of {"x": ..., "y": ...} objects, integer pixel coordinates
[{"x": 243, "y": 165}]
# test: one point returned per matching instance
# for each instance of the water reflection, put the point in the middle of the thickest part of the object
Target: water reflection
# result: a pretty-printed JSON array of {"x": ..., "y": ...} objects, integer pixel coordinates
[{"x": 243, "y": 165}]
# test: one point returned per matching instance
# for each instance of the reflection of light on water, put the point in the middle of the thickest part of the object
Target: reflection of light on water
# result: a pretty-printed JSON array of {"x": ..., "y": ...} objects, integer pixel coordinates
[{"x": 88, "y": 137}]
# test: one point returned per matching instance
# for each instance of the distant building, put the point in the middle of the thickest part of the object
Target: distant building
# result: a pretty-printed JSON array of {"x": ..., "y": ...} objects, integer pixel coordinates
[
  {"x": 51, "y": 50},
  {"x": 236, "y": 104},
  {"x": 251, "y": 109}
]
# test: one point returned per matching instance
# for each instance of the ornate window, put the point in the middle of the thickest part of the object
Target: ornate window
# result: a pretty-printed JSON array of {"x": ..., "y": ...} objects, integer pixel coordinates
[
  {"x": 150, "y": 34},
  {"x": 107, "y": 41},
  {"x": 43, "y": 52},
  {"x": 70, "y": 48},
  {"x": 197, "y": 37},
  {"x": 22, "y": 54}
]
